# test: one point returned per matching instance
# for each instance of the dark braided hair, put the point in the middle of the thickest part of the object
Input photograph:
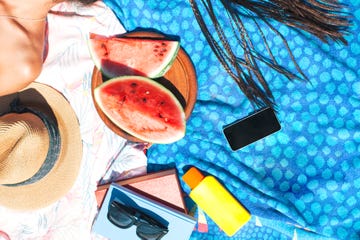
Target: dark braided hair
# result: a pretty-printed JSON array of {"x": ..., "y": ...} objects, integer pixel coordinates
[{"x": 324, "y": 19}]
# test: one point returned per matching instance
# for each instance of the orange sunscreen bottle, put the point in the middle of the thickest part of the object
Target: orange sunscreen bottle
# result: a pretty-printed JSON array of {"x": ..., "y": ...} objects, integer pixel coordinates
[{"x": 210, "y": 195}]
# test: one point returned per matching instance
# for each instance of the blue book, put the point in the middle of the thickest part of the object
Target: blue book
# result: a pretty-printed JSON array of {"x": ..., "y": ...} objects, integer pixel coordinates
[{"x": 179, "y": 224}]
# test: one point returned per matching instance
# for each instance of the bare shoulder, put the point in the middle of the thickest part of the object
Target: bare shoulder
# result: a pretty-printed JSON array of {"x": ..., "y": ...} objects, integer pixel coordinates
[
  {"x": 20, "y": 64},
  {"x": 21, "y": 55}
]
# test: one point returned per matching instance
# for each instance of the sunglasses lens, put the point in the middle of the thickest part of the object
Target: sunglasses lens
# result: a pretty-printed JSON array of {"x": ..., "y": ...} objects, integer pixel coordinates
[
  {"x": 147, "y": 228},
  {"x": 119, "y": 217},
  {"x": 150, "y": 232}
]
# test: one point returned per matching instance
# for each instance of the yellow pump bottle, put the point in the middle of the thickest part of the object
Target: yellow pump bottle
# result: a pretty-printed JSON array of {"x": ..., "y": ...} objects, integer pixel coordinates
[{"x": 210, "y": 195}]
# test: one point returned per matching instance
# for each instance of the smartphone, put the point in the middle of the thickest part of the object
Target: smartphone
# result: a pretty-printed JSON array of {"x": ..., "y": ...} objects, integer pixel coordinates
[{"x": 251, "y": 128}]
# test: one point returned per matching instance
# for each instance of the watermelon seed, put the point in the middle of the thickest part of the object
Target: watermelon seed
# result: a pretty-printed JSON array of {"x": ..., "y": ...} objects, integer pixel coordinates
[
  {"x": 147, "y": 92},
  {"x": 133, "y": 84},
  {"x": 161, "y": 116},
  {"x": 103, "y": 46},
  {"x": 144, "y": 100},
  {"x": 123, "y": 100}
]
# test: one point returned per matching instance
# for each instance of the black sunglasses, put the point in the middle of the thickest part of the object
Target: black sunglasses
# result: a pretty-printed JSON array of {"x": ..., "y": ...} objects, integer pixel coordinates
[{"x": 147, "y": 228}]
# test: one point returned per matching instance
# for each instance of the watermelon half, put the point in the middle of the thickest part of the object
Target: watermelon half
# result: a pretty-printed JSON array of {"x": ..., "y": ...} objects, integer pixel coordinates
[
  {"x": 118, "y": 56},
  {"x": 143, "y": 108}
]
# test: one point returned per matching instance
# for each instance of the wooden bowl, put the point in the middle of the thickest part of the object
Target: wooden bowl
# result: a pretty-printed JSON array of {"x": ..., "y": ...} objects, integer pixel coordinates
[{"x": 180, "y": 79}]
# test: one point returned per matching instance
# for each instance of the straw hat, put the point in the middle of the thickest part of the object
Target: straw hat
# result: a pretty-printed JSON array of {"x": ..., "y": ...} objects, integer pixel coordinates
[{"x": 40, "y": 147}]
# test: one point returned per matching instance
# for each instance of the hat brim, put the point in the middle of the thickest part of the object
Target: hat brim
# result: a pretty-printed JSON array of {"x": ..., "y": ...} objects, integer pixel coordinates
[{"x": 63, "y": 175}]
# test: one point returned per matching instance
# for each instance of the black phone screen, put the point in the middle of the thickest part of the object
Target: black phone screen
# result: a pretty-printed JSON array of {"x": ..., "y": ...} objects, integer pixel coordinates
[{"x": 247, "y": 130}]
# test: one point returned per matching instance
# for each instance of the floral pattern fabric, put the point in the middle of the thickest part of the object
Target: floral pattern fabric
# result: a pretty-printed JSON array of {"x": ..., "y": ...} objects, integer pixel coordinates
[{"x": 106, "y": 156}]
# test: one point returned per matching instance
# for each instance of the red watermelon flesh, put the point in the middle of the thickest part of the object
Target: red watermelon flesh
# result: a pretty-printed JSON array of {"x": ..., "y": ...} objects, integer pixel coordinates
[
  {"x": 143, "y": 108},
  {"x": 119, "y": 56}
]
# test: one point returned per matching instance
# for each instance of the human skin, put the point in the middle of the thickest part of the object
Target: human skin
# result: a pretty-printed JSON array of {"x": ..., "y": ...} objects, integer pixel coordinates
[{"x": 22, "y": 38}]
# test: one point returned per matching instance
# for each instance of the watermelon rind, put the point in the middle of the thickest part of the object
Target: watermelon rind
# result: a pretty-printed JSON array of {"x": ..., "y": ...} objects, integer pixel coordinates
[
  {"x": 131, "y": 118},
  {"x": 167, "y": 64},
  {"x": 131, "y": 56}
]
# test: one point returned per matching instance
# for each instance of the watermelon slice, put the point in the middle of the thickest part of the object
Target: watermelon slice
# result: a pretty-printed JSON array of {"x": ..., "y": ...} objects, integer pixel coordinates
[
  {"x": 118, "y": 56},
  {"x": 143, "y": 108}
]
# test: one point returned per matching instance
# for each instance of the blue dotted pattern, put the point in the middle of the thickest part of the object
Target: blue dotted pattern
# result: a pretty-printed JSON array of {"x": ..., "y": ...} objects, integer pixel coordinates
[{"x": 302, "y": 180}]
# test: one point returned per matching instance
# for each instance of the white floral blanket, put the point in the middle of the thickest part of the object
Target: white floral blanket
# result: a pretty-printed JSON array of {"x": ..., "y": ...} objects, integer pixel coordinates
[{"x": 68, "y": 68}]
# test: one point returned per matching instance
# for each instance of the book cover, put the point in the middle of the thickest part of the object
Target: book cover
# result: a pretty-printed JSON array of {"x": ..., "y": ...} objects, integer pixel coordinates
[
  {"x": 162, "y": 186},
  {"x": 179, "y": 224}
]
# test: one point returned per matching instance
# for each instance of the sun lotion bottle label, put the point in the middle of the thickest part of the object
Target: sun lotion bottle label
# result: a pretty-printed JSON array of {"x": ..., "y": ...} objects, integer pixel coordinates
[{"x": 216, "y": 201}]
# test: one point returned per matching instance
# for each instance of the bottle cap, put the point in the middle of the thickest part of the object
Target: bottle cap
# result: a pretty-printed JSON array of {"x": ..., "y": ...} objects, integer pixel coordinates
[{"x": 193, "y": 177}]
